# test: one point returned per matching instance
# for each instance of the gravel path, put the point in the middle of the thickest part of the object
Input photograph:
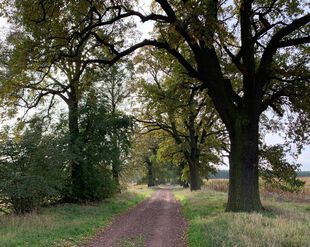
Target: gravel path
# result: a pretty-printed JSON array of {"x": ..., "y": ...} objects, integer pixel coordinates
[{"x": 156, "y": 222}]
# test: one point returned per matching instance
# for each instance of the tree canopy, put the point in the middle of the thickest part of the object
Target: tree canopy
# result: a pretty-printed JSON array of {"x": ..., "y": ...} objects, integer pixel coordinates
[{"x": 234, "y": 60}]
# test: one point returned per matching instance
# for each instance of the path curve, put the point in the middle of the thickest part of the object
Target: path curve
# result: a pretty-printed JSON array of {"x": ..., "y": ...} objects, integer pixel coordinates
[{"x": 156, "y": 222}]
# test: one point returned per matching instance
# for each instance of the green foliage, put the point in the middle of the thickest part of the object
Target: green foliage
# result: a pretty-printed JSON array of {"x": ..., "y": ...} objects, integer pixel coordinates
[
  {"x": 32, "y": 168},
  {"x": 172, "y": 104},
  {"x": 277, "y": 172},
  {"x": 97, "y": 150},
  {"x": 146, "y": 163}
]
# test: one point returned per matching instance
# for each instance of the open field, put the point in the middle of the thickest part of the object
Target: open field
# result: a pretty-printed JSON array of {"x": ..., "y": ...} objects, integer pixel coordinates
[
  {"x": 302, "y": 196},
  {"x": 282, "y": 224},
  {"x": 65, "y": 225}
]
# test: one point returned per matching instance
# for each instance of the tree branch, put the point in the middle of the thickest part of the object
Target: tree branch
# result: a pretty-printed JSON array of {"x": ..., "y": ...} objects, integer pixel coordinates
[{"x": 264, "y": 69}]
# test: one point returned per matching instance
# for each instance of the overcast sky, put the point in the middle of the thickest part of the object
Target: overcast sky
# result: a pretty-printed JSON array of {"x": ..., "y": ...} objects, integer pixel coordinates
[{"x": 304, "y": 158}]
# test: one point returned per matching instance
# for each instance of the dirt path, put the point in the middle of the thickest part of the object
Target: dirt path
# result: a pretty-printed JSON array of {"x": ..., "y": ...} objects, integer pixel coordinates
[{"x": 156, "y": 222}]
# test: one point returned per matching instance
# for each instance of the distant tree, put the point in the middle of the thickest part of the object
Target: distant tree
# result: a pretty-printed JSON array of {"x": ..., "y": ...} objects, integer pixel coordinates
[
  {"x": 142, "y": 157},
  {"x": 303, "y": 173},
  {"x": 171, "y": 102},
  {"x": 146, "y": 164}
]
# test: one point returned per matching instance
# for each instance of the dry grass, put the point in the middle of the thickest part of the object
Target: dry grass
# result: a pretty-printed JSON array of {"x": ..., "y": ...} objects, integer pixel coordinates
[
  {"x": 64, "y": 225},
  {"x": 282, "y": 224},
  {"x": 266, "y": 191}
]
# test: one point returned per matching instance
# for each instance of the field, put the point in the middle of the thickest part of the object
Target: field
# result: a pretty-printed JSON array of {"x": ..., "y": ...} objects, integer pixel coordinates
[
  {"x": 65, "y": 225},
  {"x": 266, "y": 191},
  {"x": 282, "y": 223}
]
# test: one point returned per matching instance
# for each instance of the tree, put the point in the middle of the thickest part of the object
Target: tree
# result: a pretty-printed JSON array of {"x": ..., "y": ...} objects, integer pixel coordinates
[
  {"x": 143, "y": 155},
  {"x": 115, "y": 91},
  {"x": 172, "y": 103},
  {"x": 98, "y": 150},
  {"x": 150, "y": 159},
  {"x": 265, "y": 42},
  {"x": 36, "y": 71}
]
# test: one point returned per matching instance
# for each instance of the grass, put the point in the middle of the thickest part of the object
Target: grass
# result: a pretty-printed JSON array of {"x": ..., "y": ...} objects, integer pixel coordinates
[
  {"x": 282, "y": 224},
  {"x": 135, "y": 241},
  {"x": 266, "y": 190},
  {"x": 65, "y": 225}
]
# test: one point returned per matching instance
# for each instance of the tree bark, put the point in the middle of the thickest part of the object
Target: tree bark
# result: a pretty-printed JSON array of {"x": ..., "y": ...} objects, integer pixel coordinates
[
  {"x": 193, "y": 157},
  {"x": 150, "y": 174},
  {"x": 116, "y": 163},
  {"x": 195, "y": 183},
  {"x": 76, "y": 167},
  {"x": 243, "y": 192},
  {"x": 115, "y": 173}
]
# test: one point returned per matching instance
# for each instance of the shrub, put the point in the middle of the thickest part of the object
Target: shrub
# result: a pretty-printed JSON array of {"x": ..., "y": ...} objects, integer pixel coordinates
[{"x": 32, "y": 170}]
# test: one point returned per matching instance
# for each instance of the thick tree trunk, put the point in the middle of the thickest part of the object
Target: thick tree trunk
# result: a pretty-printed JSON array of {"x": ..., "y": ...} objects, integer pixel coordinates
[
  {"x": 195, "y": 181},
  {"x": 243, "y": 184}
]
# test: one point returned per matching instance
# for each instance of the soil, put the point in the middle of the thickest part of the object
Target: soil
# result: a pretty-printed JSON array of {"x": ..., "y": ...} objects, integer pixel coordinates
[{"x": 156, "y": 222}]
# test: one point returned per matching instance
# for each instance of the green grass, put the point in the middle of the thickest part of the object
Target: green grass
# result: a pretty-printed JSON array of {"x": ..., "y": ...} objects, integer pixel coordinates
[
  {"x": 64, "y": 225},
  {"x": 282, "y": 224},
  {"x": 135, "y": 241}
]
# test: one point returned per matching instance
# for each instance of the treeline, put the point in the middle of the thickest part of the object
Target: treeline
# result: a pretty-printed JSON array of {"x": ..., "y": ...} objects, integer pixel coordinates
[
  {"x": 40, "y": 164},
  {"x": 224, "y": 174},
  {"x": 303, "y": 173}
]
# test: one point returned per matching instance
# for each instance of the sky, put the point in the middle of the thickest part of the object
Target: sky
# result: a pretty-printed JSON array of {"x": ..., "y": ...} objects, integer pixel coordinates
[{"x": 271, "y": 139}]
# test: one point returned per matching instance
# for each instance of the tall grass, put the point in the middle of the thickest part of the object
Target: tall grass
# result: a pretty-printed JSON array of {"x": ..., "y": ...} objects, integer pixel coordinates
[
  {"x": 266, "y": 190},
  {"x": 282, "y": 224},
  {"x": 64, "y": 225}
]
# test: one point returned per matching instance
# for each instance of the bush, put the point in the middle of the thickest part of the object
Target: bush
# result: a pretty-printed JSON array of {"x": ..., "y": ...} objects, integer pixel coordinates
[
  {"x": 95, "y": 183},
  {"x": 32, "y": 169}
]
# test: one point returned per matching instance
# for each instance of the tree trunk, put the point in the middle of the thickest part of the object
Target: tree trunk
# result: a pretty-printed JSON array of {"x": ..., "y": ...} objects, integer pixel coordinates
[
  {"x": 243, "y": 192},
  {"x": 115, "y": 173},
  {"x": 150, "y": 174},
  {"x": 195, "y": 181},
  {"x": 116, "y": 163},
  {"x": 76, "y": 167}
]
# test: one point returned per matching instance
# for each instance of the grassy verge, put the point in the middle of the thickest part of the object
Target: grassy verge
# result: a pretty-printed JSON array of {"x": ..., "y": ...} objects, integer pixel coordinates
[
  {"x": 282, "y": 224},
  {"x": 65, "y": 225}
]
